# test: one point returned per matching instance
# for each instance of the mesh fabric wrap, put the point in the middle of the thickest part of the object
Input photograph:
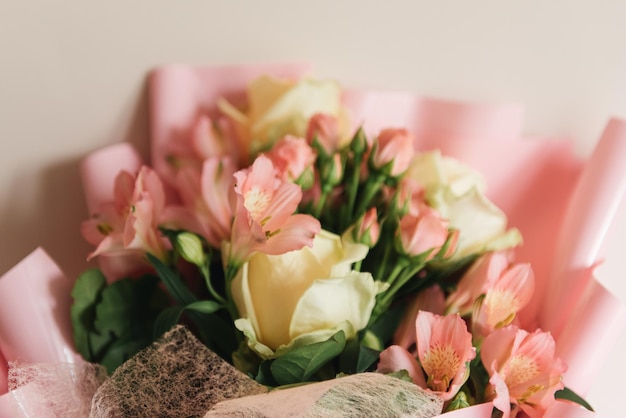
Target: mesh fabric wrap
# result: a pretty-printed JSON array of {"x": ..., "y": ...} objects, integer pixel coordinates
[
  {"x": 177, "y": 376},
  {"x": 359, "y": 395},
  {"x": 54, "y": 390}
]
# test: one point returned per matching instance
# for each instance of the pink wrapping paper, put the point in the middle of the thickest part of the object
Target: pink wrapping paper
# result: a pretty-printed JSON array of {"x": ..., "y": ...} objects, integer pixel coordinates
[
  {"x": 587, "y": 219},
  {"x": 34, "y": 318},
  {"x": 34, "y": 313}
]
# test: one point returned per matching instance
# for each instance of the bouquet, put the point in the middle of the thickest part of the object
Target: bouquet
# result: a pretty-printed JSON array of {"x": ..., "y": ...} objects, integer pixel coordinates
[{"x": 337, "y": 248}]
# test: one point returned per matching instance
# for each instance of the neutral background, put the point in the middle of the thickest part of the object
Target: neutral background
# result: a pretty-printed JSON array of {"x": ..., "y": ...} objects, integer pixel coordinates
[{"x": 73, "y": 79}]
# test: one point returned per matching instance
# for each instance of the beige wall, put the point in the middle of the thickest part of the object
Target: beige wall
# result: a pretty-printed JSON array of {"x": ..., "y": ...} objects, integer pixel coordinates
[{"x": 72, "y": 79}]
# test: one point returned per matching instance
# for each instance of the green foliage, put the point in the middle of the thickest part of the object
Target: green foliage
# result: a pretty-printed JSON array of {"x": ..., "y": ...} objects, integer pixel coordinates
[
  {"x": 300, "y": 364},
  {"x": 113, "y": 322},
  {"x": 460, "y": 401}
]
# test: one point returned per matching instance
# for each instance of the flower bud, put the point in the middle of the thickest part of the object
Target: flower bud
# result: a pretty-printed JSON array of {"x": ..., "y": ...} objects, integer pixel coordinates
[
  {"x": 189, "y": 246},
  {"x": 393, "y": 151},
  {"x": 367, "y": 229},
  {"x": 324, "y": 129},
  {"x": 359, "y": 143},
  {"x": 422, "y": 234}
]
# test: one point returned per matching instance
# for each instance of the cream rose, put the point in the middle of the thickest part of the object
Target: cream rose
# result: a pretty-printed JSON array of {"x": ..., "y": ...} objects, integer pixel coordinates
[
  {"x": 457, "y": 193},
  {"x": 279, "y": 107},
  {"x": 303, "y": 296}
]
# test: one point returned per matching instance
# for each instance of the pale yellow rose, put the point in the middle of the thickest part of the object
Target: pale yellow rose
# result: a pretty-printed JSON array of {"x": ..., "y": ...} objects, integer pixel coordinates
[
  {"x": 279, "y": 107},
  {"x": 457, "y": 192},
  {"x": 303, "y": 296}
]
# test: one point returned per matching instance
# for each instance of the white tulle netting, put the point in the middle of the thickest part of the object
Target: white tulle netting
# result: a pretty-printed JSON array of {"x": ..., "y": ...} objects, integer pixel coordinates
[
  {"x": 177, "y": 376},
  {"x": 54, "y": 390}
]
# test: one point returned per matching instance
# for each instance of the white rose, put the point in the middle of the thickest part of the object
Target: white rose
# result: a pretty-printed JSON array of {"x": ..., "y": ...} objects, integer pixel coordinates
[
  {"x": 283, "y": 107},
  {"x": 303, "y": 296},
  {"x": 457, "y": 192}
]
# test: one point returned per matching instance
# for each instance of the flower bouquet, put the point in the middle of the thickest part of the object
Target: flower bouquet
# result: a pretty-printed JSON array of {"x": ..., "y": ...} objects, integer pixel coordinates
[{"x": 299, "y": 249}]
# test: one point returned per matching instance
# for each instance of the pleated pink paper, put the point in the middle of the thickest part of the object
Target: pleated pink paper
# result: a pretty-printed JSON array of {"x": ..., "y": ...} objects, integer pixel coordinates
[{"x": 35, "y": 298}]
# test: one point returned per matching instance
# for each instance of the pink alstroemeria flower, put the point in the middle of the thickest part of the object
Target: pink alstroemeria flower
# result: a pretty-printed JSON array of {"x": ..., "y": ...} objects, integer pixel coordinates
[
  {"x": 424, "y": 232},
  {"x": 131, "y": 221},
  {"x": 444, "y": 350},
  {"x": 501, "y": 287},
  {"x": 480, "y": 277},
  {"x": 431, "y": 299},
  {"x": 523, "y": 368},
  {"x": 207, "y": 196},
  {"x": 395, "y": 147},
  {"x": 292, "y": 157},
  {"x": 511, "y": 292},
  {"x": 208, "y": 138},
  {"x": 264, "y": 214}
]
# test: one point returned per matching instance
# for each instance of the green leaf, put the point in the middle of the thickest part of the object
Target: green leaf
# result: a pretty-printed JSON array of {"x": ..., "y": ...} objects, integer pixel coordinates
[
  {"x": 172, "y": 282},
  {"x": 86, "y": 294},
  {"x": 570, "y": 395},
  {"x": 367, "y": 357},
  {"x": 402, "y": 374},
  {"x": 171, "y": 315},
  {"x": 300, "y": 364},
  {"x": 166, "y": 320},
  {"x": 460, "y": 401}
]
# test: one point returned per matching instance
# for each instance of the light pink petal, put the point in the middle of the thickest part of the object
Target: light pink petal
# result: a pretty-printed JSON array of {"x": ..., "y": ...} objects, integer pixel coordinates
[
  {"x": 298, "y": 231},
  {"x": 395, "y": 358},
  {"x": 100, "y": 168},
  {"x": 217, "y": 180},
  {"x": 519, "y": 279},
  {"x": 424, "y": 328},
  {"x": 497, "y": 346},
  {"x": 283, "y": 204},
  {"x": 502, "y": 400},
  {"x": 430, "y": 299},
  {"x": 261, "y": 175}
]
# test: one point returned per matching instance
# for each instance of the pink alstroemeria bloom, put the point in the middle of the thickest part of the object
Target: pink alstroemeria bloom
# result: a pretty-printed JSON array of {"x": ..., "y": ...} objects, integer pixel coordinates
[
  {"x": 511, "y": 292},
  {"x": 207, "y": 138},
  {"x": 292, "y": 157},
  {"x": 422, "y": 233},
  {"x": 395, "y": 147},
  {"x": 324, "y": 128},
  {"x": 444, "y": 350},
  {"x": 523, "y": 368},
  {"x": 207, "y": 196},
  {"x": 480, "y": 277},
  {"x": 431, "y": 299},
  {"x": 264, "y": 214},
  {"x": 131, "y": 221}
]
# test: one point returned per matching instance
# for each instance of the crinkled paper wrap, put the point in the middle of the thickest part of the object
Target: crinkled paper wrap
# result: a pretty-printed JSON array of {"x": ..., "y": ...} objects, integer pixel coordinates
[{"x": 562, "y": 204}]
